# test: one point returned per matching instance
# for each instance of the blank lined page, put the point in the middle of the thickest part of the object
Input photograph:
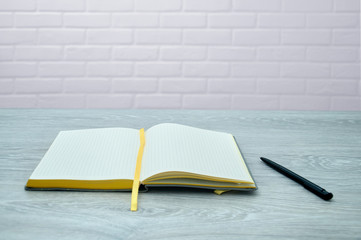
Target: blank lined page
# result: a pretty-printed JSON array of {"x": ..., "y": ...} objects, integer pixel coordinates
[
  {"x": 173, "y": 147},
  {"x": 91, "y": 154}
]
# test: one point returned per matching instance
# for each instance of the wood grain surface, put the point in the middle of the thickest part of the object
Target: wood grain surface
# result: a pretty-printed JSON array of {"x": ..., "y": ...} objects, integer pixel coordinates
[{"x": 324, "y": 147}]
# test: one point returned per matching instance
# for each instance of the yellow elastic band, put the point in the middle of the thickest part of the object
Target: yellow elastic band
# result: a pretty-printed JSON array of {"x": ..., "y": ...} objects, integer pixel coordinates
[
  {"x": 134, "y": 203},
  {"x": 219, "y": 192}
]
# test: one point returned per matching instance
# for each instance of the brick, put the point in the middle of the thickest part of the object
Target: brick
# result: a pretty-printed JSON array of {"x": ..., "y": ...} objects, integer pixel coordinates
[
  {"x": 87, "y": 53},
  {"x": 281, "y": 53},
  {"x": 110, "y": 5},
  {"x": 135, "y": 85},
  {"x": 206, "y": 69},
  {"x": 109, "y": 36},
  {"x": 17, "y": 5},
  {"x": 38, "y": 53},
  {"x": 207, "y": 5},
  {"x": 183, "y": 53},
  {"x": 308, "y": 70},
  {"x": 347, "y": 5},
  {"x": 333, "y": 20},
  {"x": 306, "y": 37},
  {"x": 256, "y": 37},
  {"x": 158, "y": 5},
  {"x": 308, "y": 6},
  {"x": 281, "y": 20},
  {"x": 255, "y": 69},
  {"x": 345, "y": 104},
  {"x": 255, "y": 102},
  {"x": 61, "y": 101},
  {"x": 6, "y": 53},
  {"x": 93, "y": 20},
  {"x": 281, "y": 86},
  {"x": 158, "y": 36},
  {"x": 332, "y": 87},
  {"x": 15, "y": 36},
  {"x": 59, "y": 69},
  {"x": 109, "y": 101},
  {"x": 135, "y": 20},
  {"x": 87, "y": 85},
  {"x": 18, "y": 69},
  {"x": 185, "y": 20},
  {"x": 109, "y": 69},
  {"x": 157, "y": 69},
  {"x": 304, "y": 103},
  {"x": 135, "y": 53},
  {"x": 35, "y": 85},
  {"x": 207, "y": 37},
  {"x": 38, "y": 20},
  {"x": 177, "y": 85},
  {"x": 18, "y": 101},
  {"x": 6, "y": 20},
  {"x": 257, "y": 5},
  {"x": 6, "y": 86},
  {"x": 231, "y": 53},
  {"x": 158, "y": 101},
  {"x": 346, "y": 37},
  {"x": 61, "y": 5},
  {"x": 232, "y": 85},
  {"x": 332, "y": 54},
  {"x": 61, "y": 36},
  {"x": 207, "y": 101},
  {"x": 227, "y": 20},
  {"x": 346, "y": 71}
]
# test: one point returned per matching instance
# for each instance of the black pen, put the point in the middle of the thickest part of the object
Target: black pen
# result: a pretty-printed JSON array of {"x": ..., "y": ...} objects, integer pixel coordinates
[{"x": 319, "y": 191}]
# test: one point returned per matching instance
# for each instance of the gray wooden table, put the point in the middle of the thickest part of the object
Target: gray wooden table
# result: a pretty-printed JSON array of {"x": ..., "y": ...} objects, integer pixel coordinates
[{"x": 322, "y": 146}]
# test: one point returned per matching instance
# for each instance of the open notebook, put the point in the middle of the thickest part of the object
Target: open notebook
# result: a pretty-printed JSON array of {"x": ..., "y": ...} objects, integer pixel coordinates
[{"x": 169, "y": 155}]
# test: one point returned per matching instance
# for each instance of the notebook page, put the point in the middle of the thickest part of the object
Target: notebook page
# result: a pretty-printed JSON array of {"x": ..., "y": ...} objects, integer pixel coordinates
[
  {"x": 91, "y": 154},
  {"x": 174, "y": 147}
]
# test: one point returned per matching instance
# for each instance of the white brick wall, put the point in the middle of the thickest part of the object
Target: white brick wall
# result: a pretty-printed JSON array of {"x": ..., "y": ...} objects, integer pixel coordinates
[{"x": 196, "y": 54}]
